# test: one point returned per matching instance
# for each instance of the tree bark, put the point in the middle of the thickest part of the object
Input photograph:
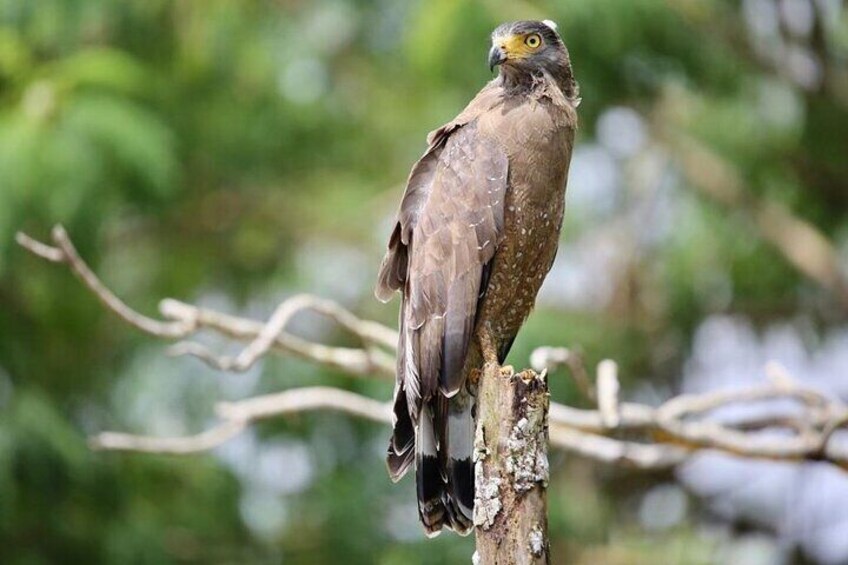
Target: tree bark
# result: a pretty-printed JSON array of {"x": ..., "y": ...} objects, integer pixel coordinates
[{"x": 511, "y": 468}]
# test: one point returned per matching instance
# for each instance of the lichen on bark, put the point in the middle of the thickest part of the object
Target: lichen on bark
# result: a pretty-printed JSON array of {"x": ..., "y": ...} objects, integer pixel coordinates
[
  {"x": 527, "y": 463},
  {"x": 487, "y": 502}
]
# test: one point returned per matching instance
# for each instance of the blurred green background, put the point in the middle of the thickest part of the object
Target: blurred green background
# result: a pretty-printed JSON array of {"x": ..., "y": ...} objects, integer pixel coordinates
[{"x": 234, "y": 152}]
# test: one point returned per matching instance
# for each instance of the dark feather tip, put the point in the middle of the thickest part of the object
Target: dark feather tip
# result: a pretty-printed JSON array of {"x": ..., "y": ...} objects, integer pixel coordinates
[
  {"x": 462, "y": 483},
  {"x": 398, "y": 463}
]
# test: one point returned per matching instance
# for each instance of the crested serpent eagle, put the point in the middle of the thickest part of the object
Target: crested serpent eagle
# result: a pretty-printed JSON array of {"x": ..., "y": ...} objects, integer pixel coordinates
[{"x": 475, "y": 236}]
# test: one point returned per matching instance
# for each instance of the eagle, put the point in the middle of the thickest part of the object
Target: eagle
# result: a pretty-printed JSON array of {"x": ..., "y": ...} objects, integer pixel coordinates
[{"x": 475, "y": 235}]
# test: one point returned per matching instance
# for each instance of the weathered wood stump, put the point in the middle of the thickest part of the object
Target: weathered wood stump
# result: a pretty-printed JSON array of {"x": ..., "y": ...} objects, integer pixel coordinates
[{"x": 511, "y": 468}]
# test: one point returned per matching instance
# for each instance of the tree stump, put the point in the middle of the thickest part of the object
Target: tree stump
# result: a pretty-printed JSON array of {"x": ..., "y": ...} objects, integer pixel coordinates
[{"x": 511, "y": 468}]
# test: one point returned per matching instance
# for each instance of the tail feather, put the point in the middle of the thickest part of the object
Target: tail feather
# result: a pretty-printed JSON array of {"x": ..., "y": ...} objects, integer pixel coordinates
[
  {"x": 441, "y": 444},
  {"x": 459, "y": 499},
  {"x": 430, "y": 482},
  {"x": 401, "y": 450}
]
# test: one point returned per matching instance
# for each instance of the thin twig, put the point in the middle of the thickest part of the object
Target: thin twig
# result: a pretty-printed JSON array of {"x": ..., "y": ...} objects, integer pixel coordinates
[
  {"x": 42, "y": 250},
  {"x": 209, "y": 439},
  {"x": 65, "y": 252}
]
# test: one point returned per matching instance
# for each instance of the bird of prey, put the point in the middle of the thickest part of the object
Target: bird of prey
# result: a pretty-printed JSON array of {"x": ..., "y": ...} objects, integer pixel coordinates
[{"x": 476, "y": 234}]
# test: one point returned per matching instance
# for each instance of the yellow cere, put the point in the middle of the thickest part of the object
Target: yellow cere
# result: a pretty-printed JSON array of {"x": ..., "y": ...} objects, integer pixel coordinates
[{"x": 519, "y": 46}]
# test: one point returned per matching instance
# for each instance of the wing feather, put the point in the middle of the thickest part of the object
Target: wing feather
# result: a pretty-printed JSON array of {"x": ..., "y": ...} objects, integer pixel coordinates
[
  {"x": 448, "y": 228},
  {"x": 395, "y": 265},
  {"x": 457, "y": 230}
]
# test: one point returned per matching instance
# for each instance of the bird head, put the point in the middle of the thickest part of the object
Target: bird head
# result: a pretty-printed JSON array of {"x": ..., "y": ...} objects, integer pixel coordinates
[{"x": 527, "y": 47}]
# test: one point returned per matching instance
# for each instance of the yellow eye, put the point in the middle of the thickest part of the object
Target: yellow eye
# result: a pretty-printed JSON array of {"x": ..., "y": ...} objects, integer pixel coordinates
[{"x": 533, "y": 40}]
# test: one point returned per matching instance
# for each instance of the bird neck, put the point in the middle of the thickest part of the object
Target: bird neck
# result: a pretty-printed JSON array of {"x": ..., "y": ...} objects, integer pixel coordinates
[{"x": 516, "y": 81}]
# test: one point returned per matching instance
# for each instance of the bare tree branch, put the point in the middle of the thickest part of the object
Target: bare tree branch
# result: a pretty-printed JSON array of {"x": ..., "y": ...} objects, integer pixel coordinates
[
  {"x": 368, "y": 359},
  {"x": 236, "y": 416},
  {"x": 65, "y": 252},
  {"x": 183, "y": 320},
  {"x": 617, "y": 452},
  {"x": 624, "y": 433},
  {"x": 356, "y": 361}
]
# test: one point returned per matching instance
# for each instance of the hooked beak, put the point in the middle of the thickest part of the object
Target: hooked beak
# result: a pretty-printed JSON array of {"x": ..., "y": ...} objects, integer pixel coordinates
[{"x": 497, "y": 55}]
